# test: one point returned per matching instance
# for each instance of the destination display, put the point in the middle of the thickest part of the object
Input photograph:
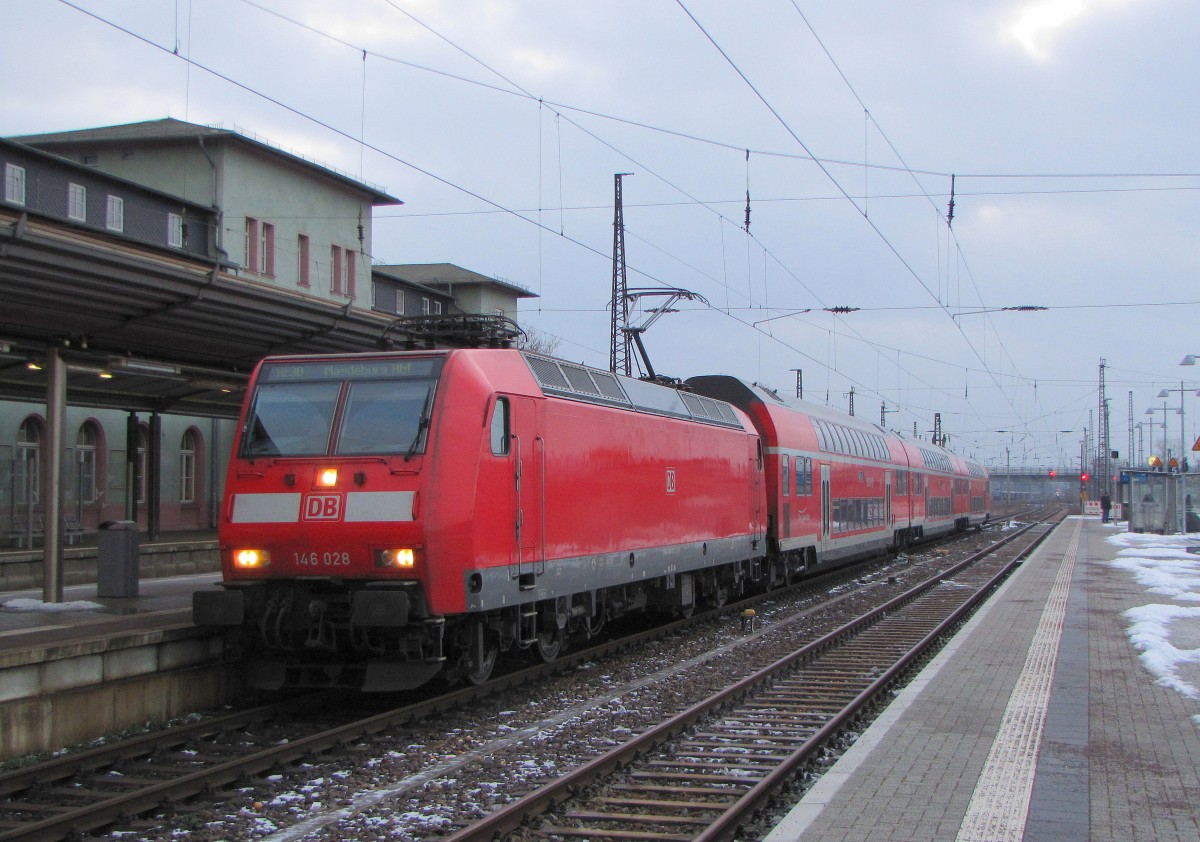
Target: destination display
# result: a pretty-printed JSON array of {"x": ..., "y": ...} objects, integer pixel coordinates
[{"x": 379, "y": 369}]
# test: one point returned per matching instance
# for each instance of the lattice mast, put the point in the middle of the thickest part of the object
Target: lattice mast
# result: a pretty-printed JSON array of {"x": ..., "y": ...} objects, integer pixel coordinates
[
  {"x": 619, "y": 341},
  {"x": 1130, "y": 454}
]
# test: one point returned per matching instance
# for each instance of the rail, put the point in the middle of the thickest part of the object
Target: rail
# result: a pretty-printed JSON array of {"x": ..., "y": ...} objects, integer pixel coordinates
[{"x": 672, "y": 776}]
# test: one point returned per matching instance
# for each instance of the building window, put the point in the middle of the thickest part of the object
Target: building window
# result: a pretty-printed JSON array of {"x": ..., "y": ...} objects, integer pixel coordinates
[
  {"x": 350, "y": 258},
  {"x": 437, "y": 308},
  {"x": 252, "y": 244},
  {"x": 86, "y": 463},
  {"x": 302, "y": 261},
  {"x": 27, "y": 471},
  {"x": 426, "y": 307},
  {"x": 187, "y": 467},
  {"x": 77, "y": 202},
  {"x": 114, "y": 214},
  {"x": 335, "y": 269},
  {"x": 266, "y": 249},
  {"x": 175, "y": 230},
  {"x": 14, "y": 184}
]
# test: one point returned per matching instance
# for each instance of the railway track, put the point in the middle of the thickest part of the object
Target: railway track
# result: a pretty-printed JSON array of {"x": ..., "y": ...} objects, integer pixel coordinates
[
  {"x": 68, "y": 796},
  {"x": 706, "y": 773},
  {"x": 64, "y": 796}
]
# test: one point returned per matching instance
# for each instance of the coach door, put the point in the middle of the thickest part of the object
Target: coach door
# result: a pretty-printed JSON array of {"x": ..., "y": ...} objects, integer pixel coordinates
[
  {"x": 825, "y": 503},
  {"x": 887, "y": 498},
  {"x": 529, "y": 463}
]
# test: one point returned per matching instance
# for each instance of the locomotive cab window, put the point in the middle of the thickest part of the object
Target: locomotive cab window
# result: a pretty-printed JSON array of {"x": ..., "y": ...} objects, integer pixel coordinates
[
  {"x": 290, "y": 419},
  {"x": 370, "y": 407},
  {"x": 499, "y": 433},
  {"x": 386, "y": 417}
]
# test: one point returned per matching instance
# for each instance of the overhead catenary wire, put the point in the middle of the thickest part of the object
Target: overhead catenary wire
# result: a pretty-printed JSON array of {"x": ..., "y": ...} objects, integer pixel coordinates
[
  {"x": 499, "y": 207},
  {"x": 788, "y": 128}
]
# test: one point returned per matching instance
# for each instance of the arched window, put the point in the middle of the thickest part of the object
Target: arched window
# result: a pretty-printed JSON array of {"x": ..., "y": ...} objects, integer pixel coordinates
[
  {"x": 27, "y": 472},
  {"x": 188, "y": 449},
  {"x": 87, "y": 463}
]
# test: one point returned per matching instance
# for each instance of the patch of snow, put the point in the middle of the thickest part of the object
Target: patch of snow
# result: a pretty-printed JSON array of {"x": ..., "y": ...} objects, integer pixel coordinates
[
  {"x": 38, "y": 605},
  {"x": 1162, "y": 565}
]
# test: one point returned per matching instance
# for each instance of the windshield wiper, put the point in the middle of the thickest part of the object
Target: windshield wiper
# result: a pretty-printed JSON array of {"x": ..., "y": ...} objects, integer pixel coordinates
[{"x": 422, "y": 425}]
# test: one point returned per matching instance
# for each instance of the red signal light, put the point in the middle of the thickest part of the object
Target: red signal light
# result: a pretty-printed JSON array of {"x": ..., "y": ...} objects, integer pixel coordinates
[
  {"x": 1053, "y": 473},
  {"x": 1083, "y": 477}
]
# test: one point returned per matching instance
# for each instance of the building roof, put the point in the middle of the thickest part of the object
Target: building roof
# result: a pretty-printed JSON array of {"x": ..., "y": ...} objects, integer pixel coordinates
[
  {"x": 170, "y": 129},
  {"x": 447, "y": 274}
]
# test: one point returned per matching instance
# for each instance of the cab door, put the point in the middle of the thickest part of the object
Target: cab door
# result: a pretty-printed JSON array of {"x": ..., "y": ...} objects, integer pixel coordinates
[{"x": 528, "y": 455}]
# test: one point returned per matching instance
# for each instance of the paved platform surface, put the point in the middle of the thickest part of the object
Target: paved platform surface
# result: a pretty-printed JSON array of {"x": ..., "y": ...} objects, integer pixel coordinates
[
  {"x": 26, "y": 625},
  {"x": 1043, "y": 719}
]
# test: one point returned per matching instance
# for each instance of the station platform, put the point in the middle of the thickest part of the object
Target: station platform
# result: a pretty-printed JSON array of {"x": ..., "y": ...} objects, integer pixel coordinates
[
  {"x": 1067, "y": 709},
  {"x": 75, "y": 671}
]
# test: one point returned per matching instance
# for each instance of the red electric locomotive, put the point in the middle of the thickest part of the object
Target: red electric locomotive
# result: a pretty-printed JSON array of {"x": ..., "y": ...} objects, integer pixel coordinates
[{"x": 390, "y": 517}]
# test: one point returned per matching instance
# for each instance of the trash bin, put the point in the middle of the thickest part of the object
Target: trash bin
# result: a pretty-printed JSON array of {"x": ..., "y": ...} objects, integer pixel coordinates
[{"x": 117, "y": 574}]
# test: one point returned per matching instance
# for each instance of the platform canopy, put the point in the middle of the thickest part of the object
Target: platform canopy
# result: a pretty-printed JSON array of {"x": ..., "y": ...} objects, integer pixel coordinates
[{"x": 149, "y": 331}]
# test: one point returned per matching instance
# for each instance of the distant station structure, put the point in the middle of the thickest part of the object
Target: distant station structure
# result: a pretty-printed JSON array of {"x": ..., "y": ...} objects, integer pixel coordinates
[{"x": 1037, "y": 484}]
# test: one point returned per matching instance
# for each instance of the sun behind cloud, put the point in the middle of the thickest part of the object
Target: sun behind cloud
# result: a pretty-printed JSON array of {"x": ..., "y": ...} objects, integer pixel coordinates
[{"x": 1035, "y": 23}]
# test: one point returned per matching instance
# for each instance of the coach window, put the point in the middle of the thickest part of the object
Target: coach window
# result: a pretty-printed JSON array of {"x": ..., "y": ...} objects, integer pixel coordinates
[
  {"x": 500, "y": 436},
  {"x": 786, "y": 479}
]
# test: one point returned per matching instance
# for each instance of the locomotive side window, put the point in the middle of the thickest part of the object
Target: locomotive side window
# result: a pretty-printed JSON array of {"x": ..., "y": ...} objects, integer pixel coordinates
[
  {"x": 500, "y": 436},
  {"x": 291, "y": 419}
]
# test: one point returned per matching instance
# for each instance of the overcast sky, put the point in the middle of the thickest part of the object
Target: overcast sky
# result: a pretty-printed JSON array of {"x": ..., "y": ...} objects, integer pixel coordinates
[{"x": 1071, "y": 127}]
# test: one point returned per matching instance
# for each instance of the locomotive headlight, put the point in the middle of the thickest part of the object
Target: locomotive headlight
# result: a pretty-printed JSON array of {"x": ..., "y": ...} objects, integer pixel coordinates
[
  {"x": 403, "y": 558},
  {"x": 327, "y": 477},
  {"x": 251, "y": 559}
]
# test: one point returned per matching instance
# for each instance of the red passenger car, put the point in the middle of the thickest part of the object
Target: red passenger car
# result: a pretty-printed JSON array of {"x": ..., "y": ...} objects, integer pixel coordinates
[{"x": 841, "y": 487}]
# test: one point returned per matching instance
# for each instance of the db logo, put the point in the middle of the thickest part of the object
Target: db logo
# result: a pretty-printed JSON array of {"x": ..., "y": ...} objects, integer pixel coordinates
[
  {"x": 322, "y": 507},
  {"x": 670, "y": 480}
]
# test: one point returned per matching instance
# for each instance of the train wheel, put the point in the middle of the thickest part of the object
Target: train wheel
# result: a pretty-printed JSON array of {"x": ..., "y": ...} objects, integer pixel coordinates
[
  {"x": 479, "y": 670},
  {"x": 549, "y": 645},
  {"x": 720, "y": 596}
]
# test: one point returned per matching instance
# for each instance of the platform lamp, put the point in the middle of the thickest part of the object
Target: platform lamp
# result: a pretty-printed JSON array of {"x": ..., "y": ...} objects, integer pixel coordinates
[
  {"x": 1163, "y": 424},
  {"x": 1189, "y": 359},
  {"x": 1165, "y": 393}
]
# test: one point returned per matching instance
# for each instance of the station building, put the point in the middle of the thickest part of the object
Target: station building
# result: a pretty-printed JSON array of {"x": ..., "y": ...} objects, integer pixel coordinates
[{"x": 158, "y": 261}]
